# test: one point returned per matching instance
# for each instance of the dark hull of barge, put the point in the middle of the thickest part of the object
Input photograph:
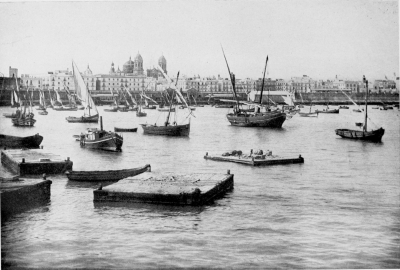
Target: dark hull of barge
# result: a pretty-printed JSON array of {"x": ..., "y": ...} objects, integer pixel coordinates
[
  {"x": 34, "y": 161},
  {"x": 269, "y": 119},
  {"x": 372, "y": 136},
  {"x": 20, "y": 142},
  {"x": 171, "y": 130}
]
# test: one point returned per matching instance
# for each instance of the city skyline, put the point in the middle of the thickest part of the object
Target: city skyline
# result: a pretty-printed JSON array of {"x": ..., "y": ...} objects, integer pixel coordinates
[{"x": 315, "y": 38}]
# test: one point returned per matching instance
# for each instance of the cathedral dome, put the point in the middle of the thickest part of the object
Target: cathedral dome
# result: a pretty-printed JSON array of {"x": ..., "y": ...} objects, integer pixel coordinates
[
  {"x": 128, "y": 66},
  {"x": 88, "y": 71}
]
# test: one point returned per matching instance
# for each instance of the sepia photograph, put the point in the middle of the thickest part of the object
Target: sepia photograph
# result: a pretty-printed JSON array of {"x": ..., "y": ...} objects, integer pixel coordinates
[{"x": 170, "y": 134}]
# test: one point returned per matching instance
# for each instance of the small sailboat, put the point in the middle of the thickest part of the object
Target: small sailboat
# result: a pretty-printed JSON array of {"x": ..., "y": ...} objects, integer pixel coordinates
[
  {"x": 114, "y": 106},
  {"x": 90, "y": 113},
  {"x": 168, "y": 128},
  {"x": 15, "y": 102},
  {"x": 42, "y": 104},
  {"x": 133, "y": 100},
  {"x": 364, "y": 134},
  {"x": 140, "y": 112},
  {"x": 25, "y": 118},
  {"x": 101, "y": 139}
]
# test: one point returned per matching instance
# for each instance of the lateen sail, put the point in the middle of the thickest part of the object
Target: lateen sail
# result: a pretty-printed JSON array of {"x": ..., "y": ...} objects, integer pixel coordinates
[{"x": 83, "y": 93}]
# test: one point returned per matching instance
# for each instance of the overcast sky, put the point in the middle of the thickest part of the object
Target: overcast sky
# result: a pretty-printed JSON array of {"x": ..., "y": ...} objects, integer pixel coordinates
[{"x": 320, "y": 39}]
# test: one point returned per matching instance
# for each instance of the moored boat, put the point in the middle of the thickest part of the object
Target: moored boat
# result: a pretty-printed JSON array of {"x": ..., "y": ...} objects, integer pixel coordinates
[
  {"x": 20, "y": 142},
  {"x": 343, "y": 107},
  {"x": 109, "y": 175},
  {"x": 327, "y": 110},
  {"x": 169, "y": 130},
  {"x": 364, "y": 134},
  {"x": 101, "y": 139},
  {"x": 116, "y": 129}
]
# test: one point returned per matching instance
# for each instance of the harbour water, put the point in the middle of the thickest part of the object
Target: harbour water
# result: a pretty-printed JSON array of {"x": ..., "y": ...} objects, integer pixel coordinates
[{"x": 340, "y": 209}]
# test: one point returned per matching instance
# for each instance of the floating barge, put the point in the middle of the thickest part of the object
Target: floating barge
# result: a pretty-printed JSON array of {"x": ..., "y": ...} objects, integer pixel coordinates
[
  {"x": 20, "y": 194},
  {"x": 190, "y": 189},
  {"x": 253, "y": 161},
  {"x": 34, "y": 161}
]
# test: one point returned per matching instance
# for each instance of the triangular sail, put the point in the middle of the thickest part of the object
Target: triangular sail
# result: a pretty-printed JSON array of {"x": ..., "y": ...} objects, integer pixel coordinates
[
  {"x": 132, "y": 99},
  {"x": 58, "y": 97},
  {"x": 83, "y": 93}
]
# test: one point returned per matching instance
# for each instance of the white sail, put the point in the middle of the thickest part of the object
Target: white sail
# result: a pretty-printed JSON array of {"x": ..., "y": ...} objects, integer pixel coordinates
[
  {"x": 58, "y": 97},
  {"x": 83, "y": 93},
  {"x": 133, "y": 100}
]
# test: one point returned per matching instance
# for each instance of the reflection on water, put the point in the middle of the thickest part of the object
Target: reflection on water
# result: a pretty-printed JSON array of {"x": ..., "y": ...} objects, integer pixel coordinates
[{"x": 340, "y": 209}]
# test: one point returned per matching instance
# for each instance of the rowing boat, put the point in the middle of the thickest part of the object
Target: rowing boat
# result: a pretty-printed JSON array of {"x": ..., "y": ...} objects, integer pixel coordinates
[{"x": 110, "y": 175}]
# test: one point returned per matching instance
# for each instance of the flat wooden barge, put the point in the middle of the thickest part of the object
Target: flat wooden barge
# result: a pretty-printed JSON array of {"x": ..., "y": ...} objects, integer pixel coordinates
[
  {"x": 190, "y": 189},
  {"x": 252, "y": 161},
  {"x": 20, "y": 194},
  {"x": 34, "y": 161}
]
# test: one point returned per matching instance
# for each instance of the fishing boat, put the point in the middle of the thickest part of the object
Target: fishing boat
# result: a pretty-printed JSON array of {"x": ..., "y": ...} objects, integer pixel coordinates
[
  {"x": 15, "y": 102},
  {"x": 116, "y": 129},
  {"x": 364, "y": 134},
  {"x": 328, "y": 110},
  {"x": 309, "y": 114},
  {"x": 263, "y": 116},
  {"x": 168, "y": 128},
  {"x": 43, "y": 112},
  {"x": 223, "y": 106},
  {"x": 90, "y": 113},
  {"x": 20, "y": 142},
  {"x": 140, "y": 112},
  {"x": 42, "y": 104},
  {"x": 101, "y": 139},
  {"x": 343, "y": 107},
  {"x": 25, "y": 117},
  {"x": 109, "y": 175}
]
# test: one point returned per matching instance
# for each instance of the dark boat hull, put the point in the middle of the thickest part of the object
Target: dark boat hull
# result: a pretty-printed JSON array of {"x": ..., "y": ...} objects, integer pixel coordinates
[
  {"x": 328, "y": 111},
  {"x": 23, "y": 122},
  {"x": 111, "y": 110},
  {"x": 110, "y": 142},
  {"x": 373, "y": 136},
  {"x": 308, "y": 114},
  {"x": 172, "y": 130},
  {"x": 20, "y": 142},
  {"x": 269, "y": 119},
  {"x": 112, "y": 175},
  {"x": 116, "y": 129},
  {"x": 141, "y": 114},
  {"x": 83, "y": 119}
]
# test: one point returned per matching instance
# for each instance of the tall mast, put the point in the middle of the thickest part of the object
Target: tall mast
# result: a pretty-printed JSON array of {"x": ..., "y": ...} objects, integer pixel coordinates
[
  {"x": 232, "y": 77},
  {"x": 366, "y": 104},
  {"x": 262, "y": 86}
]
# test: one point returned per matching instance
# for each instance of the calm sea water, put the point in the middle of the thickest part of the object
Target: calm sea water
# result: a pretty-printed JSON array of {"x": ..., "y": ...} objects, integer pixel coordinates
[{"x": 340, "y": 209}]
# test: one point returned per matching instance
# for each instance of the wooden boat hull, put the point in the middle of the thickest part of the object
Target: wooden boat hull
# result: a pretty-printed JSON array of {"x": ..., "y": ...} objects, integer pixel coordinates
[
  {"x": 43, "y": 112},
  {"x": 343, "y": 107},
  {"x": 269, "y": 119},
  {"x": 20, "y": 142},
  {"x": 83, "y": 119},
  {"x": 308, "y": 114},
  {"x": 374, "y": 135},
  {"x": 111, "y": 175},
  {"x": 328, "y": 111},
  {"x": 111, "y": 110},
  {"x": 153, "y": 107},
  {"x": 65, "y": 108},
  {"x": 23, "y": 122},
  {"x": 111, "y": 142},
  {"x": 116, "y": 129},
  {"x": 171, "y": 130},
  {"x": 223, "y": 106},
  {"x": 166, "y": 109},
  {"x": 141, "y": 114}
]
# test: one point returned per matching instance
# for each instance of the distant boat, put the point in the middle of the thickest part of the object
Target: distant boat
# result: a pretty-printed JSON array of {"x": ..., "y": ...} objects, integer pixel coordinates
[
  {"x": 90, "y": 114},
  {"x": 168, "y": 128},
  {"x": 166, "y": 109},
  {"x": 309, "y": 114},
  {"x": 327, "y": 110},
  {"x": 140, "y": 112},
  {"x": 101, "y": 139},
  {"x": 43, "y": 112},
  {"x": 33, "y": 141},
  {"x": 116, "y": 129},
  {"x": 262, "y": 116},
  {"x": 364, "y": 134},
  {"x": 25, "y": 117},
  {"x": 343, "y": 107},
  {"x": 358, "y": 109},
  {"x": 110, "y": 175}
]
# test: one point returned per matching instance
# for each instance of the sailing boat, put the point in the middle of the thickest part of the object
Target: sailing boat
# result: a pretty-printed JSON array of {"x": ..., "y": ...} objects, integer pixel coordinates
[
  {"x": 90, "y": 113},
  {"x": 25, "y": 118},
  {"x": 168, "y": 128},
  {"x": 327, "y": 110},
  {"x": 15, "y": 102},
  {"x": 114, "y": 105},
  {"x": 258, "y": 118},
  {"x": 123, "y": 108},
  {"x": 72, "y": 104},
  {"x": 373, "y": 135},
  {"x": 134, "y": 108},
  {"x": 139, "y": 112},
  {"x": 42, "y": 107},
  {"x": 309, "y": 114}
]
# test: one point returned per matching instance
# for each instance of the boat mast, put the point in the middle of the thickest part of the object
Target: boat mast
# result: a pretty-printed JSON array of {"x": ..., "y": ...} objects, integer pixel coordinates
[
  {"x": 232, "y": 77},
  {"x": 170, "y": 106},
  {"x": 366, "y": 104},
  {"x": 262, "y": 86}
]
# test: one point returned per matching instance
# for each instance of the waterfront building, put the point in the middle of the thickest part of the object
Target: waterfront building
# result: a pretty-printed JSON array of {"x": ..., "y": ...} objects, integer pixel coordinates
[
  {"x": 13, "y": 72},
  {"x": 300, "y": 84},
  {"x": 384, "y": 85},
  {"x": 353, "y": 85}
]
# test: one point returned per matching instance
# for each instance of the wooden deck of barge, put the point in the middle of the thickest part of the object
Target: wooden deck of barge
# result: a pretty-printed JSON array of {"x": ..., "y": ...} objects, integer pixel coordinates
[
  {"x": 34, "y": 161},
  {"x": 268, "y": 160},
  {"x": 190, "y": 189}
]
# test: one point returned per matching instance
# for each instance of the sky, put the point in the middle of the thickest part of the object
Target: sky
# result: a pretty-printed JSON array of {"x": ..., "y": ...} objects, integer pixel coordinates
[{"x": 321, "y": 39}]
